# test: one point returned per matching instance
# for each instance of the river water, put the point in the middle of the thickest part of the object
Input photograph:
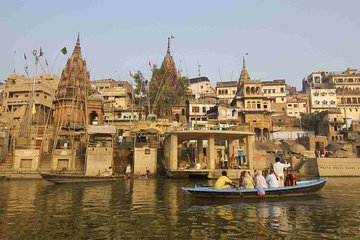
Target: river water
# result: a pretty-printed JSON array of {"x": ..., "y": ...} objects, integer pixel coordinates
[{"x": 158, "y": 209}]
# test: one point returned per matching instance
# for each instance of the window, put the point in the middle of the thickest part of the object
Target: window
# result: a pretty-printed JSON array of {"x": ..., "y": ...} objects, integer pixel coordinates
[
  {"x": 290, "y": 105},
  {"x": 204, "y": 109},
  {"x": 316, "y": 94},
  {"x": 295, "y": 105},
  {"x": 282, "y": 90},
  {"x": 195, "y": 109},
  {"x": 348, "y": 100},
  {"x": 323, "y": 94},
  {"x": 265, "y": 106},
  {"x": 304, "y": 105}
]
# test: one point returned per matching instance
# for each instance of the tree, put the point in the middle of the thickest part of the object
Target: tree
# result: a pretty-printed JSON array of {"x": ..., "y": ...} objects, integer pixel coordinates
[
  {"x": 166, "y": 90},
  {"x": 310, "y": 121},
  {"x": 140, "y": 83}
]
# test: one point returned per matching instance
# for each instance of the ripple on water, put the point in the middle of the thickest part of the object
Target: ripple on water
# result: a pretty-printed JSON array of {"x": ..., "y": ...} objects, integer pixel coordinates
[{"x": 159, "y": 209}]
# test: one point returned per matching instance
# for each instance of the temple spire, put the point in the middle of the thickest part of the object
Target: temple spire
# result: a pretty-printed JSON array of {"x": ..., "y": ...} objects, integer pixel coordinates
[
  {"x": 78, "y": 40},
  {"x": 244, "y": 75},
  {"x": 168, "y": 46}
]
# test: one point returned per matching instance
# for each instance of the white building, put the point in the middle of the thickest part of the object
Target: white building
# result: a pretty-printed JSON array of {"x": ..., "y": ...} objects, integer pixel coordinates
[
  {"x": 200, "y": 86},
  {"x": 323, "y": 100}
]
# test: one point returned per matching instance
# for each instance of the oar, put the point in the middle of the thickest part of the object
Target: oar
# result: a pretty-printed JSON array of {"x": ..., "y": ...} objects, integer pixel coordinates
[{"x": 114, "y": 178}]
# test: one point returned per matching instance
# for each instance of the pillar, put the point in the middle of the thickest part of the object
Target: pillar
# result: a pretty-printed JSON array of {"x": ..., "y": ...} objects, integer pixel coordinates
[
  {"x": 262, "y": 134},
  {"x": 210, "y": 152},
  {"x": 173, "y": 151},
  {"x": 199, "y": 145},
  {"x": 231, "y": 147},
  {"x": 250, "y": 145}
]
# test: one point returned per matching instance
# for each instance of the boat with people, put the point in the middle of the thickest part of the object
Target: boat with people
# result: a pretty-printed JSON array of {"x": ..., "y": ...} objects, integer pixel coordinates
[
  {"x": 73, "y": 178},
  {"x": 303, "y": 188}
]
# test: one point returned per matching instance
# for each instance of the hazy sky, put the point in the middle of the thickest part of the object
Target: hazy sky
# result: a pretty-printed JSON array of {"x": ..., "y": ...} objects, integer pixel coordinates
[{"x": 284, "y": 39}]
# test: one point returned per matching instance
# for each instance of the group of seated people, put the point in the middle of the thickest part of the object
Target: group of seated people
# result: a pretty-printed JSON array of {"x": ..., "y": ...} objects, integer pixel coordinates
[{"x": 266, "y": 179}]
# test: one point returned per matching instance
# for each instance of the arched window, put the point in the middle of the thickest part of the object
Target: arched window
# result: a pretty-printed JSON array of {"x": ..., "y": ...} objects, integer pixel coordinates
[
  {"x": 253, "y": 105},
  {"x": 248, "y": 90},
  {"x": 252, "y": 90},
  {"x": 257, "y": 90}
]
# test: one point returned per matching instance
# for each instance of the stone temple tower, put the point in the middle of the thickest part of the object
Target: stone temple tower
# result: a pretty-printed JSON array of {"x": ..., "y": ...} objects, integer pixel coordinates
[
  {"x": 71, "y": 95},
  {"x": 168, "y": 63}
]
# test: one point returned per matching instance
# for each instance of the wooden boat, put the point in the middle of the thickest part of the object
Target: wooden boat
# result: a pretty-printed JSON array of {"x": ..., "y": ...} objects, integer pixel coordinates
[
  {"x": 302, "y": 188},
  {"x": 72, "y": 178}
]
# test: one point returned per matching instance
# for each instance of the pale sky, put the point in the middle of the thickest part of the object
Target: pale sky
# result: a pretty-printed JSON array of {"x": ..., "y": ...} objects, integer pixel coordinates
[{"x": 284, "y": 39}]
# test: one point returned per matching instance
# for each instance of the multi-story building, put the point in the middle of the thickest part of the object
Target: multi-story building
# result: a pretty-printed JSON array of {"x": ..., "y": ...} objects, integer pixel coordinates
[
  {"x": 200, "y": 86},
  {"x": 29, "y": 99},
  {"x": 226, "y": 91},
  {"x": 313, "y": 79},
  {"x": 323, "y": 99},
  {"x": 296, "y": 105},
  {"x": 254, "y": 107},
  {"x": 198, "y": 108},
  {"x": 330, "y": 125},
  {"x": 347, "y": 85},
  {"x": 276, "y": 91}
]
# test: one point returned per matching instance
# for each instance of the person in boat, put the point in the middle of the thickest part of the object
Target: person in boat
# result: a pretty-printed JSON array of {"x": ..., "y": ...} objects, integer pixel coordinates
[
  {"x": 260, "y": 181},
  {"x": 248, "y": 182},
  {"x": 128, "y": 170},
  {"x": 279, "y": 170},
  {"x": 197, "y": 166},
  {"x": 271, "y": 180},
  {"x": 223, "y": 182},
  {"x": 242, "y": 175},
  {"x": 290, "y": 179}
]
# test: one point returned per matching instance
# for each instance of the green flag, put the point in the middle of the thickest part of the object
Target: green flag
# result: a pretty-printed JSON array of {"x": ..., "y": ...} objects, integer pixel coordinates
[{"x": 63, "y": 50}]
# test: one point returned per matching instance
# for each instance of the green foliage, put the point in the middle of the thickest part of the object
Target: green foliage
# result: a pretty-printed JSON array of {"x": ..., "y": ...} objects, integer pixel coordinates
[
  {"x": 166, "y": 90},
  {"x": 310, "y": 121},
  {"x": 140, "y": 83}
]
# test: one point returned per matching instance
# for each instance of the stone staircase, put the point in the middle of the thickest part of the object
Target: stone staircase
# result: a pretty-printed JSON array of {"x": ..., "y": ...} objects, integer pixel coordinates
[{"x": 122, "y": 156}]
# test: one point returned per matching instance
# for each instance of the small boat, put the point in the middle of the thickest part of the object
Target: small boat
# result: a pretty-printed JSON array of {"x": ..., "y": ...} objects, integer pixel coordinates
[
  {"x": 302, "y": 188},
  {"x": 72, "y": 178}
]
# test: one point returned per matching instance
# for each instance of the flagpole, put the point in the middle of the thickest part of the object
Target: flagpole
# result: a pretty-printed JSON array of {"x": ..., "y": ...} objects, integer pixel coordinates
[{"x": 52, "y": 67}]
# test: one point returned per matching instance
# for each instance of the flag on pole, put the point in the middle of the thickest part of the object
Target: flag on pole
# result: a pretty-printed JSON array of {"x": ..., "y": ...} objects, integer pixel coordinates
[
  {"x": 41, "y": 52},
  {"x": 35, "y": 53},
  {"x": 25, "y": 56},
  {"x": 150, "y": 64},
  {"x": 63, "y": 50},
  {"x": 27, "y": 70},
  {"x": 46, "y": 62},
  {"x": 172, "y": 36},
  {"x": 33, "y": 111}
]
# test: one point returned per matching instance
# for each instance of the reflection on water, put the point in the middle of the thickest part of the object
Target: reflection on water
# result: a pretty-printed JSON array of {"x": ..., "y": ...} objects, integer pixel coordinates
[{"x": 159, "y": 209}]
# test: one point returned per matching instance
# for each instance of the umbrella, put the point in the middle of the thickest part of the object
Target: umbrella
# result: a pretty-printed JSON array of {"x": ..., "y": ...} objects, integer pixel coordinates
[{"x": 333, "y": 147}]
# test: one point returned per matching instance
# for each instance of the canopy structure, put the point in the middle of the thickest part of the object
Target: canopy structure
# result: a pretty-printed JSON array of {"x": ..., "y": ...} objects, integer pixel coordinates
[{"x": 96, "y": 129}]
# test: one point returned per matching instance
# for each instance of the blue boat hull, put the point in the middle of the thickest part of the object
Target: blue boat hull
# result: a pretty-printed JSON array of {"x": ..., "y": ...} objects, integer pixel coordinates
[{"x": 303, "y": 188}]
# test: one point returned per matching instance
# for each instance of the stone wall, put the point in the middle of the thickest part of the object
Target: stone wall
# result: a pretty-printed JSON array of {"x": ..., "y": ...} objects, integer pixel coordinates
[
  {"x": 340, "y": 167},
  {"x": 145, "y": 158},
  {"x": 98, "y": 159}
]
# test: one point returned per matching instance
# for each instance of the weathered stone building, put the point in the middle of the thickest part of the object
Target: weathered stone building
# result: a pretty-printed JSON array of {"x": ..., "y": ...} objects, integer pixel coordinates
[{"x": 254, "y": 107}]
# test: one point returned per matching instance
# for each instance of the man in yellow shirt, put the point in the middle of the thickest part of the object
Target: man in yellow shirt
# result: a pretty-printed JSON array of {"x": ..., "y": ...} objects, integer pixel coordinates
[{"x": 223, "y": 182}]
